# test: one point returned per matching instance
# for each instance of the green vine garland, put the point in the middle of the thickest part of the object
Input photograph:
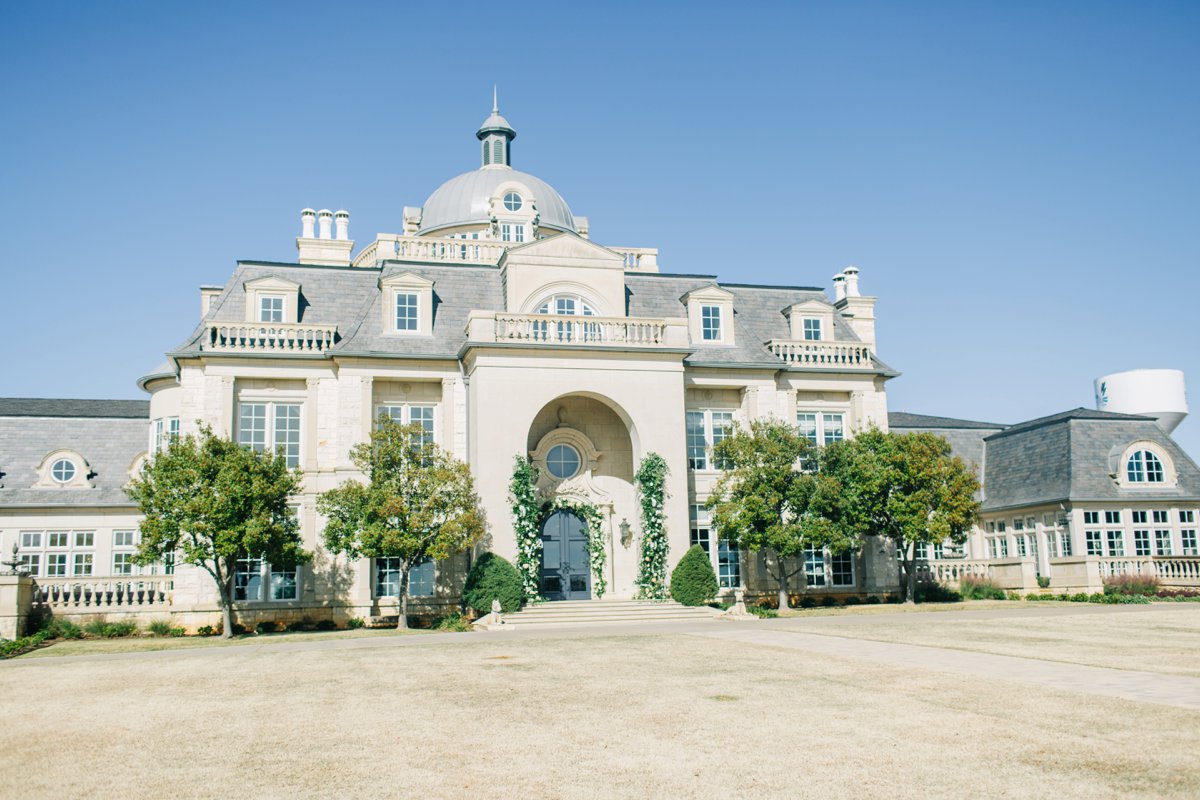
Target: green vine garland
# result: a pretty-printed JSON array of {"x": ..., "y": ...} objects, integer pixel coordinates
[
  {"x": 597, "y": 554},
  {"x": 651, "y": 481},
  {"x": 528, "y": 516},
  {"x": 527, "y": 519}
]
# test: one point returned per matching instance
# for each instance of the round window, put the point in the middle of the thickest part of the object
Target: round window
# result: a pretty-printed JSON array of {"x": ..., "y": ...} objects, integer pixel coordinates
[
  {"x": 513, "y": 201},
  {"x": 562, "y": 461},
  {"x": 62, "y": 470}
]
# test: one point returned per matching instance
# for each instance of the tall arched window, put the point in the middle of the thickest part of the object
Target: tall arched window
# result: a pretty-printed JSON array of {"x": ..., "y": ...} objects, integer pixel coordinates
[{"x": 1144, "y": 467}]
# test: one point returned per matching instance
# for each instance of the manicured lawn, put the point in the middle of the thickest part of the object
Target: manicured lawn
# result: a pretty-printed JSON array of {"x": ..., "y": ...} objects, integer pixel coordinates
[{"x": 564, "y": 715}]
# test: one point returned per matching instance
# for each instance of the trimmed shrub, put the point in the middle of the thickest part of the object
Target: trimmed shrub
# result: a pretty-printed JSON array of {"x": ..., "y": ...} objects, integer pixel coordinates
[
  {"x": 1043, "y": 581},
  {"x": 693, "y": 581},
  {"x": 1079, "y": 597},
  {"x": 936, "y": 593},
  {"x": 973, "y": 587},
  {"x": 493, "y": 578},
  {"x": 1131, "y": 584},
  {"x": 160, "y": 627},
  {"x": 206, "y": 630},
  {"x": 178, "y": 633},
  {"x": 356, "y": 623}
]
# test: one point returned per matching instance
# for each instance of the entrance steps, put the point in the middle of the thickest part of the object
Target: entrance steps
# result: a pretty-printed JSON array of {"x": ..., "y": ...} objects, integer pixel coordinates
[{"x": 582, "y": 612}]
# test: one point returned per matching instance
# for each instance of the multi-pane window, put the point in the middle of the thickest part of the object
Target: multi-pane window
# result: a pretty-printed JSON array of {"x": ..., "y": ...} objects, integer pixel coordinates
[
  {"x": 1144, "y": 467},
  {"x": 31, "y": 563},
  {"x": 1002, "y": 542},
  {"x": 1094, "y": 543},
  {"x": 841, "y": 569},
  {"x": 83, "y": 564},
  {"x": 31, "y": 539},
  {"x": 814, "y": 566},
  {"x": 1091, "y": 518},
  {"x": 420, "y": 578},
  {"x": 710, "y": 323},
  {"x": 270, "y": 308},
  {"x": 411, "y": 415},
  {"x": 283, "y": 583},
  {"x": 163, "y": 432},
  {"x": 58, "y": 538},
  {"x": 704, "y": 430},
  {"x": 729, "y": 565},
  {"x": 56, "y": 565},
  {"x": 62, "y": 470},
  {"x": 1187, "y": 540},
  {"x": 124, "y": 538},
  {"x": 1064, "y": 544},
  {"x": 85, "y": 538},
  {"x": 700, "y": 533},
  {"x": 247, "y": 580},
  {"x": 1141, "y": 543},
  {"x": 1018, "y": 524},
  {"x": 1116, "y": 543},
  {"x": 821, "y": 428},
  {"x": 512, "y": 232},
  {"x": 1020, "y": 542},
  {"x": 1160, "y": 517},
  {"x": 1162, "y": 541},
  {"x": 271, "y": 427},
  {"x": 406, "y": 311},
  {"x": 1187, "y": 516},
  {"x": 122, "y": 564},
  {"x": 1139, "y": 517},
  {"x": 1112, "y": 517},
  {"x": 812, "y": 329}
]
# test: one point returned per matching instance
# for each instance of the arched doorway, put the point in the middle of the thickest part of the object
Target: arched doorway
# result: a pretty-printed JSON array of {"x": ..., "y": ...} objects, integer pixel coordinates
[{"x": 566, "y": 571}]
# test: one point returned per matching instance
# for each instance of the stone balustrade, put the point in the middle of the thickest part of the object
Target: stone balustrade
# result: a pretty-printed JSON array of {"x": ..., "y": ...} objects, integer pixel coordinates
[
  {"x": 437, "y": 249},
  {"x": 1068, "y": 574},
  {"x": 951, "y": 570},
  {"x": 117, "y": 593},
  {"x": 823, "y": 355},
  {"x": 550, "y": 329},
  {"x": 274, "y": 338},
  {"x": 1170, "y": 570}
]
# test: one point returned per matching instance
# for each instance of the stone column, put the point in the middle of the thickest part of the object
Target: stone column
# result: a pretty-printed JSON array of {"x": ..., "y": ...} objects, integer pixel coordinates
[
  {"x": 310, "y": 425},
  {"x": 16, "y": 603}
]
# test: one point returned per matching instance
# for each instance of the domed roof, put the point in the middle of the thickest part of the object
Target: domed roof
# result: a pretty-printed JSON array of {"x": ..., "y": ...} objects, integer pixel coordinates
[{"x": 463, "y": 200}]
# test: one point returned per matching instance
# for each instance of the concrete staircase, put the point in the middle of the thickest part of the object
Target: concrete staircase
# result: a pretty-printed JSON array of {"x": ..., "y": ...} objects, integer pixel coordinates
[{"x": 582, "y": 612}]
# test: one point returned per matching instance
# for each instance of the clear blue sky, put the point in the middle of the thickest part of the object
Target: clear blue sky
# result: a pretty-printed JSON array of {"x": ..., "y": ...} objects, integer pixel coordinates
[{"x": 1019, "y": 182}]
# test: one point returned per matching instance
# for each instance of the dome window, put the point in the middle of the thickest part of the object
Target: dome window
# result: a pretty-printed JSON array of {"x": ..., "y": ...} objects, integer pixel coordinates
[
  {"x": 563, "y": 461},
  {"x": 513, "y": 201},
  {"x": 1144, "y": 467},
  {"x": 62, "y": 470}
]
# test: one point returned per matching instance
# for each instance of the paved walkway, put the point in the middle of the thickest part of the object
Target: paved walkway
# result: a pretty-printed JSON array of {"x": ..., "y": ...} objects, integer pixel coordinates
[{"x": 1148, "y": 687}]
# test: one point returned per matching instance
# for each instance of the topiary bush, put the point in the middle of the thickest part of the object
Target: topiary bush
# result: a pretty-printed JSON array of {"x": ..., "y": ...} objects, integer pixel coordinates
[
  {"x": 493, "y": 578},
  {"x": 693, "y": 581}
]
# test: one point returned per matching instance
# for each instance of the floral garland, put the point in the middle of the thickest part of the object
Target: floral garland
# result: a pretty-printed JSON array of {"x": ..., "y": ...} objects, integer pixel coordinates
[
  {"x": 651, "y": 480},
  {"x": 597, "y": 554},
  {"x": 527, "y": 518}
]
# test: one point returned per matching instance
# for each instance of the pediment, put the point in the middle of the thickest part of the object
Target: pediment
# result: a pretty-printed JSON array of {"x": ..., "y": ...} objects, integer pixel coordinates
[
  {"x": 564, "y": 249},
  {"x": 711, "y": 292},
  {"x": 812, "y": 306},
  {"x": 272, "y": 284},
  {"x": 409, "y": 280}
]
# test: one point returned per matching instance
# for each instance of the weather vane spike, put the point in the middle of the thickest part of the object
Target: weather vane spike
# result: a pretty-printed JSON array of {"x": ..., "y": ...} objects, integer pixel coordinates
[{"x": 495, "y": 104}]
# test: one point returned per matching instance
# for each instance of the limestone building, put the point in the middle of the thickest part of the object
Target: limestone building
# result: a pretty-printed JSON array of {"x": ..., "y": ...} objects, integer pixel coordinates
[{"x": 492, "y": 320}]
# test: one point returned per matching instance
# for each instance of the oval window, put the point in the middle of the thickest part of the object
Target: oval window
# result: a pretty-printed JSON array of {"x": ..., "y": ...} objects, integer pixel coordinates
[
  {"x": 62, "y": 470},
  {"x": 513, "y": 201},
  {"x": 562, "y": 461}
]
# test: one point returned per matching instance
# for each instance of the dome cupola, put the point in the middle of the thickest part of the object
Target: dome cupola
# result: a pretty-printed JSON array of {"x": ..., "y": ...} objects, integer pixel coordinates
[{"x": 496, "y": 135}]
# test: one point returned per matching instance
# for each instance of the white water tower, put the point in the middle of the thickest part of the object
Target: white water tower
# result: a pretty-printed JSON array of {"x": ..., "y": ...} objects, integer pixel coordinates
[{"x": 1157, "y": 393}]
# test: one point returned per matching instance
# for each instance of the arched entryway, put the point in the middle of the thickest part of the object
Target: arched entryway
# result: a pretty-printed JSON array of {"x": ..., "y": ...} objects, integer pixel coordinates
[{"x": 566, "y": 571}]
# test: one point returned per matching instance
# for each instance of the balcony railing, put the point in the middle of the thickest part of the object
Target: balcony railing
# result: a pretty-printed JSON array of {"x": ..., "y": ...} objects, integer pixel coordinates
[
  {"x": 391, "y": 246},
  {"x": 125, "y": 592},
  {"x": 1170, "y": 570},
  {"x": 550, "y": 329},
  {"x": 225, "y": 337},
  {"x": 823, "y": 355}
]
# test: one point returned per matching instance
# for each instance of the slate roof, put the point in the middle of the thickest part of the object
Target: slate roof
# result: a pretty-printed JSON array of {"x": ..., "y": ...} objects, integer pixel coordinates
[
  {"x": 349, "y": 297},
  {"x": 1073, "y": 456},
  {"x": 902, "y": 419},
  {"x": 54, "y": 407},
  {"x": 108, "y": 434}
]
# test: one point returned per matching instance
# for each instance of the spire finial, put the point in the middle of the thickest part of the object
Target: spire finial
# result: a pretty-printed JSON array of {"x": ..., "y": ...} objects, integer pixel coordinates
[{"x": 495, "y": 104}]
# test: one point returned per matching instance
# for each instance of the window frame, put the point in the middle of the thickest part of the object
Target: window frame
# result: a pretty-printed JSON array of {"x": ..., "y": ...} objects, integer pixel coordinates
[
  {"x": 414, "y": 306},
  {"x": 278, "y": 308},
  {"x": 270, "y": 429},
  {"x": 712, "y": 327},
  {"x": 709, "y": 432}
]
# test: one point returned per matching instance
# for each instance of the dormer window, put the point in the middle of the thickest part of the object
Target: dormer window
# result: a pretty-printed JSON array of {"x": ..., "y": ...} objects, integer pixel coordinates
[
  {"x": 710, "y": 323},
  {"x": 513, "y": 201},
  {"x": 1144, "y": 467},
  {"x": 567, "y": 305},
  {"x": 270, "y": 308},
  {"x": 63, "y": 470},
  {"x": 406, "y": 311},
  {"x": 812, "y": 329},
  {"x": 512, "y": 232},
  {"x": 407, "y": 304}
]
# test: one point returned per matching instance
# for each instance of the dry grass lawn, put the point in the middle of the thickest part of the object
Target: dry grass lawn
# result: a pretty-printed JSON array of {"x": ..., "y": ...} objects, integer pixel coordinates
[{"x": 657, "y": 715}]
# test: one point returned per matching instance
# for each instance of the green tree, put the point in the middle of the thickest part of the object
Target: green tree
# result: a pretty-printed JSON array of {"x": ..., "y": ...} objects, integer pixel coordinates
[
  {"x": 907, "y": 488},
  {"x": 765, "y": 501},
  {"x": 209, "y": 502},
  {"x": 418, "y": 502}
]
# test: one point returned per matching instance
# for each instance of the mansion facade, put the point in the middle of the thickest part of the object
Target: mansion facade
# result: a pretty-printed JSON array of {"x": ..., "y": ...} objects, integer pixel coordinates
[{"x": 494, "y": 322}]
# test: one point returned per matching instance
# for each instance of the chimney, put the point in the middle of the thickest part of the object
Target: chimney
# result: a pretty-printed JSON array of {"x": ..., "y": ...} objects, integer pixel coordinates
[
  {"x": 341, "y": 221},
  {"x": 308, "y": 218},
  {"x": 324, "y": 224},
  {"x": 839, "y": 287},
  {"x": 323, "y": 248},
  {"x": 851, "y": 274}
]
